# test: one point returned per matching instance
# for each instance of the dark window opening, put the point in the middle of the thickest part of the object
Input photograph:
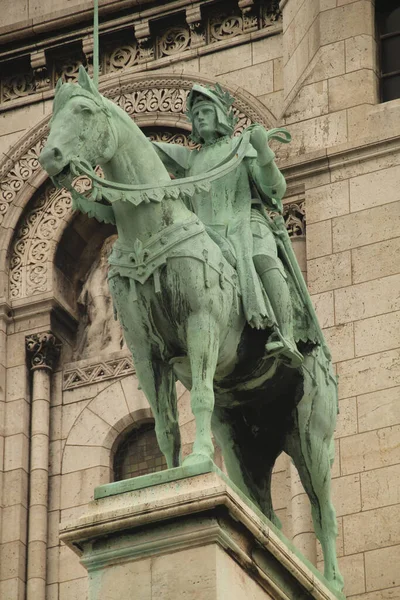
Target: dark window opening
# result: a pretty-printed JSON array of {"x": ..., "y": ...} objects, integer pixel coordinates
[
  {"x": 138, "y": 454},
  {"x": 388, "y": 25}
]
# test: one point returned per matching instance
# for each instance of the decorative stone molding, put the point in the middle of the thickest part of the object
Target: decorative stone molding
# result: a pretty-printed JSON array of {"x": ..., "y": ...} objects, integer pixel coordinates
[
  {"x": 154, "y": 39},
  {"x": 294, "y": 214},
  {"x": 43, "y": 350},
  {"x": 96, "y": 371}
]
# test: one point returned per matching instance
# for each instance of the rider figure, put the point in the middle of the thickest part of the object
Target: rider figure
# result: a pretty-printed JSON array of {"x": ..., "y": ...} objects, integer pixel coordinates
[{"x": 234, "y": 210}]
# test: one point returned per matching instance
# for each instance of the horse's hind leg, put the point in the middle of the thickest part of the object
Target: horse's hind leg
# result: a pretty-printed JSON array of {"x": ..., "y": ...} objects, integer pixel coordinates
[
  {"x": 203, "y": 348},
  {"x": 310, "y": 446}
]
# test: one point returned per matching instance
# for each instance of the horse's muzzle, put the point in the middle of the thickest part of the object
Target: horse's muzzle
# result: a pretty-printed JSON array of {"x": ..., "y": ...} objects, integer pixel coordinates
[{"x": 52, "y": 160}]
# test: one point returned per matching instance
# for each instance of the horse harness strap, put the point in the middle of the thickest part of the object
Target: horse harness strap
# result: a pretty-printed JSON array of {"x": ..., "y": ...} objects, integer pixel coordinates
[{"x": 143, "y": 260}]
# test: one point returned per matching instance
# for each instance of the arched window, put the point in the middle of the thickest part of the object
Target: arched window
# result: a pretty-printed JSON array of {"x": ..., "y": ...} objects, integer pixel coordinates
[
  {"x": 388, "y": 25},
  {"x": 138, "y": 454}
]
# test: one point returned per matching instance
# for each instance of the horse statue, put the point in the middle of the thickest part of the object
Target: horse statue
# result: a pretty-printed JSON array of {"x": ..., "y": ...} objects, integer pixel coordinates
[{"x": 178, "y": 300}]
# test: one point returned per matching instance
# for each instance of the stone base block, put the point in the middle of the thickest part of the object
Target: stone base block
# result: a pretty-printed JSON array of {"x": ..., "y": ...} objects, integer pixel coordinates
[{"x": 186, "y": 533}]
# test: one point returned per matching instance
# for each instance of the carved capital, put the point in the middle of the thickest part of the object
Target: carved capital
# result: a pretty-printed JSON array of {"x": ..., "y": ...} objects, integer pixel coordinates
[{"x": 42, "y": 350}]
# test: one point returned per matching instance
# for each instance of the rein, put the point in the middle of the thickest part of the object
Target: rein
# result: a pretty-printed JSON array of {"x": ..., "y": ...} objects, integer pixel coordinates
[{"x": 111, "y": 192}]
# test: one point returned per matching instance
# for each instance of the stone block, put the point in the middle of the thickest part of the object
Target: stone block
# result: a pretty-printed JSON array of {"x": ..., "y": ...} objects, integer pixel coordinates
[
  {"x": 17, "y": 415},
  {"x": 378, "y": 409},
  {"x": 12, "y": 589},
  {"x": 273, "y": 102},
  {"x": 53, "y": 563},
  {"x": 55, "y": 454},
  {"x": 16, "y": 452},
  {"x": 53, "y": 528},
  {"x": 382, "y": 569},
  {"x": 377, "y": 122},
  {"x": 367, "y": 299},
  {"x": 90, "y": 430},
  {"x": 70, "y": 567},
  {"x": 375, "y": 188},
  {"x": 323, "y": 304},
  {"x": 278, "y": 74},
  {"x": 280, "y": 490},
  {"x": 352, "y": 89},
  {"x": 111, "y": 406},
  {"x": 365, "y": 227},
  {"x": 347, "y": 21},
  {"x": 372, "y": 529},
  {"x": 346, "y": 494},
  {"x": 70, "y": 413},
  {"x": 267, "y": 49},
  {"x": 232, "y": 59},
  {"x": 347, "y": 418},
  {"x": 12, "y": 560},
  {"x": 54, "y": 492},
  {"x": 15, "y": 488},
  {"x": 340, "y": 340},
  {"x": 352, "y": 569},
  {"x": 329, "y": 272},
  {"x": 76, "y": 589},
  {"x": 294, "y": 67},
  {"x": 86, "y": 392},
  {"x": 297, "y": 29},
  {"x": 370, "y": 450},
  {"x": 321, "y": 132},
  {"x": 77, "y": 488},
  {"x": 329, "y": 62},
  {"x": 377, "y": 334},
  {"x": 311, "y": 101},
  {"x": 14, "y": 524},
  {"x": 380, "y": 487},
  {"x": 184, "y": 408},
  {"x": 375, "y": 260},
  {"x": 327, "y": 201},
  {"x": 360, "y": 53},
  {"x": 19, "y": 119},
  {"x": 259, "y": 78},
  {"x": 319, "y": 239},
  {"x": 76, "y": 458},
  {"x": 55, "y": 422},
  {"x": 369, "y": 373},
  {"x": 17, "y": 383}
]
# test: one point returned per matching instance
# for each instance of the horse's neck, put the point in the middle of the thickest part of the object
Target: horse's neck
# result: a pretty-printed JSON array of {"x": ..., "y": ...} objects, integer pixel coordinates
[{"x": 136, "y": 161}]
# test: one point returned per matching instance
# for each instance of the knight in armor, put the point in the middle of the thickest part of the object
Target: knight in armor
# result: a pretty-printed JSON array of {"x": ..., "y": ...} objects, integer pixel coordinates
[{"x": 234, "y": 211}]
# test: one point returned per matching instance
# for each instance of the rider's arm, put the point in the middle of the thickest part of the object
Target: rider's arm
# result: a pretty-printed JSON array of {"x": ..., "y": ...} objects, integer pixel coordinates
[{"x": 268, "y": 179}]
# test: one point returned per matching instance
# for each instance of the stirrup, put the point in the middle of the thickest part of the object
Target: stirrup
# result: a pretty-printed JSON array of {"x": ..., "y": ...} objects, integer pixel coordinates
[{"x": 289, "y": 352}]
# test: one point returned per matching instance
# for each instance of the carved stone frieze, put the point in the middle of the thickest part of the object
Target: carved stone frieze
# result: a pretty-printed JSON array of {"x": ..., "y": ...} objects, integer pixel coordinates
[
  {"x": 42, "y": 350},
  {"x": 220, "y": 22},
  {"x": 96, "y": 372},
  {"x": 32, "y": 248},
  {"x": 294, "y": 214}
]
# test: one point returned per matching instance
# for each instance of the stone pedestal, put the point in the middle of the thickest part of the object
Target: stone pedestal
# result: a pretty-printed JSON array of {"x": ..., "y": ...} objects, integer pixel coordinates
[{"x": 186, "y": 533}]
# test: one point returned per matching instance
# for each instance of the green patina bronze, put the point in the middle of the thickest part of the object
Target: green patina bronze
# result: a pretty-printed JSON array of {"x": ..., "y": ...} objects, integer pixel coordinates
[{"x": 208, "y": 291}]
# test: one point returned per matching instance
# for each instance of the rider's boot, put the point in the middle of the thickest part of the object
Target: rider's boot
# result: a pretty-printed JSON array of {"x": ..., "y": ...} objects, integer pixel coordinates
[{"x": 281, "y": 342}]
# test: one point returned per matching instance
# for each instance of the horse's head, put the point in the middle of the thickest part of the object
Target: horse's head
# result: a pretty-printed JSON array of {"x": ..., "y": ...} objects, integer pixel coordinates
[{"x": 81, "y": 127}]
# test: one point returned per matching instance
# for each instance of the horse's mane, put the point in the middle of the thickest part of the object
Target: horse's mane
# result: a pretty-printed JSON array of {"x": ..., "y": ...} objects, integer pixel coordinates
[{"x": 66, "y": 91}]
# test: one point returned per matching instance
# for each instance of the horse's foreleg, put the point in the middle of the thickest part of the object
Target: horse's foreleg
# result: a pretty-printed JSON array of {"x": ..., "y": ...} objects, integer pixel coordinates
[{"x": 203, "y": 347}]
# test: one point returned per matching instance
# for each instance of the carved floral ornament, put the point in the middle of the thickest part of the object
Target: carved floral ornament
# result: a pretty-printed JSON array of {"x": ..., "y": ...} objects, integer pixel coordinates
[
  {"x": 158, "y": 103},
  {"x": 43, "y": 350}
]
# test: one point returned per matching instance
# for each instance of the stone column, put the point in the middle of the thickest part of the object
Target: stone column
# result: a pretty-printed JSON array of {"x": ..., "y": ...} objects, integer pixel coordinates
[{"x": 42, "y": 353}]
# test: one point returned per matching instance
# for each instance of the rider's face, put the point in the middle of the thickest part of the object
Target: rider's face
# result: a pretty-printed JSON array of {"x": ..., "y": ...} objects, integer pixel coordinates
[{"x": 205, "y": 121}]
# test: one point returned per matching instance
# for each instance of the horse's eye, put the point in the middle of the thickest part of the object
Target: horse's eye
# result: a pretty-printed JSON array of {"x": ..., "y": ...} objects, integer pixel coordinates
[{"x": 83, "y": 108}]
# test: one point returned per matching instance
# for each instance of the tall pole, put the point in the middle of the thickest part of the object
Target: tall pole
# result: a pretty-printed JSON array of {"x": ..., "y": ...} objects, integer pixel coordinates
[{"x": 96, "y": 44}]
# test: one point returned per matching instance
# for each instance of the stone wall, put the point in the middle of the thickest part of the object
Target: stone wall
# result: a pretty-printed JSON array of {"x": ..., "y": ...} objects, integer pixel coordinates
[{"x": 316, "y": 74}]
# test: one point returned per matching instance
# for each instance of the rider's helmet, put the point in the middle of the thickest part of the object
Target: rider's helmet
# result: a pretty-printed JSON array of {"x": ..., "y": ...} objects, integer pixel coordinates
[{"x": 220, "y": 100}]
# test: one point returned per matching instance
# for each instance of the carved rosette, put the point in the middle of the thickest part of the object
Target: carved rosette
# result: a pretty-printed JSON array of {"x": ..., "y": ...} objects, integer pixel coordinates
[{"x": 42, "y": 350}]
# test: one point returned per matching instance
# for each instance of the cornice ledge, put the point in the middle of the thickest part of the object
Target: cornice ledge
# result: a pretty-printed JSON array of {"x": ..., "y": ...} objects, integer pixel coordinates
[
  {"x": 25, "y": 308},
  {"x": 312, "y": 163}
]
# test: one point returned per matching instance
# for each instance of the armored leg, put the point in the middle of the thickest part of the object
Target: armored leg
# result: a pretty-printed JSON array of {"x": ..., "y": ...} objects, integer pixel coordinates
[{"x": 275, "y": 285}]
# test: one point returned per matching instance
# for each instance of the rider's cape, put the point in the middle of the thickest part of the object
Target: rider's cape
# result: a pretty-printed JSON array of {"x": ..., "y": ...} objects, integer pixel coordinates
[{"x": 305, "y": 324}]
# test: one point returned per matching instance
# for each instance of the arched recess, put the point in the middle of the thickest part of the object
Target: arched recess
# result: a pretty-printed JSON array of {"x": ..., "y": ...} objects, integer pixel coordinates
[
  {"x": 154, "y": 102},
  {"x": 96, "y": 431}
]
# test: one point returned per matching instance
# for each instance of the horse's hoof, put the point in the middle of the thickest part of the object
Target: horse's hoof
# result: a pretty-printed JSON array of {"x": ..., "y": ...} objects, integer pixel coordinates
[{"x": 196, "y": 458}]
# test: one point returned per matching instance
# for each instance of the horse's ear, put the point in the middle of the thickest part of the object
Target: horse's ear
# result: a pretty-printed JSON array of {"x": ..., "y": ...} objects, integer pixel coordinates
[
  {"x": 59, "y": 84},
  {"x": 86, "y": 82}
]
